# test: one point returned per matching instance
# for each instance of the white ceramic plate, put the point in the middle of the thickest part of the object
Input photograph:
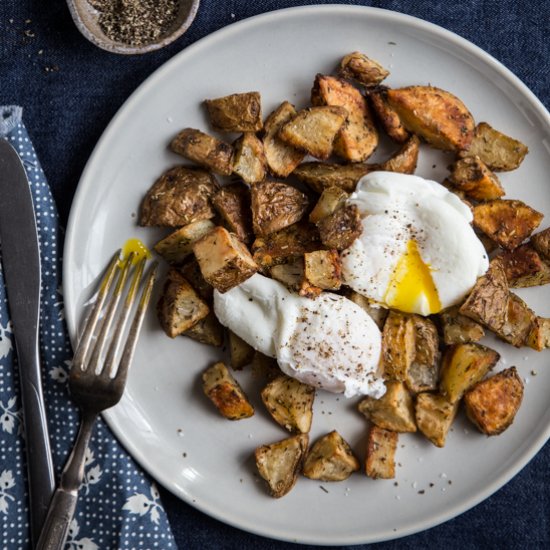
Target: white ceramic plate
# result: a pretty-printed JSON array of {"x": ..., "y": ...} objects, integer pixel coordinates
[{"x": 164, "y": 420}]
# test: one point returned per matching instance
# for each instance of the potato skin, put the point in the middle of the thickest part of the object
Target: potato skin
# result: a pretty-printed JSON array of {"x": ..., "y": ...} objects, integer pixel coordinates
[
  {"x": 359, "y": 67},
  {"x": 398, "y": 345},
  {"x": 405, "y": 160},
  {"x": 236, "y": 112},
  {"x": 459, "y": 329},
  {"x": 341, "y": 228},
  {"x": 233, "y": 204},
  {"x": 473, "y": 177},
  {"x": 322, "y": 175},
  {"x": 524, "y": 267},
  {"x": 386, "y": 115}
]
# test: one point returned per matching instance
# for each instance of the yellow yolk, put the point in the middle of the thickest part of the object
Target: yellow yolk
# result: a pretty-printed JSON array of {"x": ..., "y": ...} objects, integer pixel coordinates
[
  {"x": 137, "y": 247},
  {"x": 412, "y": 284}
]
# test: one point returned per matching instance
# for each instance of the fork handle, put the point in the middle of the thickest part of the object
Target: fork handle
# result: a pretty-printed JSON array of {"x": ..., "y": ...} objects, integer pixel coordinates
[{"x": 63, "y": 504}]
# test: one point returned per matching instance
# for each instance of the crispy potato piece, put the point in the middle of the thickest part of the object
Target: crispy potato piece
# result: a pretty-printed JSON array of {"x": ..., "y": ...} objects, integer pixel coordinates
[
  {"x": 387, "y": 117},
  {"x": 179, "y": 307},
  {"x": 459, "y": 329},
  {"x": 205, "y": 150},
  {"x": 276, "y": 206},
  {"x": 321, "y": 175},
  {"x": 381, "y": 447},
  {"x": 463, "y": 366},
  {"x": 330, "y": 459},
  {"x": 541, "y": 243},
  {"x": 358, "y": 137},
  {"x": 376, "y": 313},
  {"x": 393, "y": 411},
  {"x": 279, "y": 463},
  {"x": 240, "y": 353},
  {"x": 313, "y": 130},
  {"x": 423, "y": 372},
  {"x": 539, "y": 335},
  {"x": 434, "y": 416},
  {"x": 398, "y": 345},
  {"x": 178, "y": 245},
  {"x": 236, "y": 112},
  {"x": 493, "y": 404},
  {"x": 224, "y": 261},
  {"x": 497, "y": 150},
  {"x": 290, "y": 403},
  {"x": 308, "y": 290},
  {"x": 323, "y": 269},
  {"x": 405, "y": 160},
  {"x": 507, "y": 222},
  {"x": 358, "y": 66},
  {"x": 224, "y": 391},
  {"x": 471, "y": 176},
  {"x": 290, "y": 274},
  {"x": 179, "y": 197},
  {"x": 192, "y": 272},
  {"x": 265, "y": 367},
  {"x": 233, "y": 204},
  {"x": 291, "y": 242},
  {"x": 524, "y": 267},
  {"x": 249, "y": 159},
  {"x": 341, "y": 228},
  {"x": 207, "y": 331},
  {"x": 518, "y": 323},
  {"x": 330, "y": 200},
  {"x": 281, "y": 157},
  {"x": 435, "y": 115}
]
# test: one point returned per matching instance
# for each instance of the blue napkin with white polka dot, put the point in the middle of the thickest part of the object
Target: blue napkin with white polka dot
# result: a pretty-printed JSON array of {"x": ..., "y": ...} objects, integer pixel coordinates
[{"x": 118, "y": 507}]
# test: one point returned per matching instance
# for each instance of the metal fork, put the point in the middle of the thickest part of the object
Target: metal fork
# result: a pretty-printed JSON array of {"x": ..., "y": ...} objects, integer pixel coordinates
[{"x": 93, "y": 385}]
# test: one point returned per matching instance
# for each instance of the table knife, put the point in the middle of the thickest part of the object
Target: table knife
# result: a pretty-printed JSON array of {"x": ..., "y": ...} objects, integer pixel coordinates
[{"x": 21, "y": 267}]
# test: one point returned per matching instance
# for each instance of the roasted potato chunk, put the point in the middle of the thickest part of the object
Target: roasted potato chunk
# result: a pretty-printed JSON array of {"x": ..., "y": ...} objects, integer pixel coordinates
[
  {"x": 179, "y": 307},
  {"x": 376, "y": 313},
  {"x": 205, "y": 150},
  {"x": 493, "y": 404},
  {"x": 323, "y": 269},
  {"x": 290, "y": 403},
  {"x": 459, "y": 329},
  {"x": 539, "y": 335},
  {"x": 224, "y": 261},
  {"x": 320, "y": 175},
  {"x": 434, "y": 416},
  {"x": 330, "y": 459},
  {"x": 405, "y": 160},
  {"x": 281, "y": 157},
  {"x": 341, "y": 228},
  {"x": 507, "y": 222},
  {"x": 279, "y": 463},
  {"x": 178, "y": 245},
  {"x": 179, "y": 197},
  {"x": 497, "y": 150},
  {"x": 524, "y": 267},
  {"x": 435, "y": 115},
  {"x": 472, "y": 177},
  {"x": 264, "y": 366},
  {"x": 224, "y": 391},
  {"x": 207, "y": 331},
  {"x": 192, "y": 272},
  {"x": 240, "y": 353},
  {"x": 518, "y": 323},
  {"x": 290, "y": 274},
  {"x": 233, "y": 203},
  {"x": 463, "y": 366},
  {"x": 398, "y": 345},
  {"x": 313, "y": 130},
  {"x": 330, "y": 200},
  {"x": 381, "y": 447},
  {"x": 387, "y": 117},
  {"x": 249, "y": 159},
  {"x": 423, "y": 372},
  {"x": 236, "y": 112},
  {"x": 358, "y": 66},
  {"x": 541, "y": 243},
  {"x": 393, "y": 411},
  {"x": 358, "y": 137},
  {"x": 276, "y": 206}
]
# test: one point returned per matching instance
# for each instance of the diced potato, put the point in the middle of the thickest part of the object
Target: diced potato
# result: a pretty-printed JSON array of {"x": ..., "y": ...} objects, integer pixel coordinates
[
  {"x": 321, "y": 175},
  {"x": 207, "y": 331},
  {"x": 205, "y": 150},
  {"x": 236, "y": 112},
  {"x": 224, "y": 261},
  {"x": 290, "y": 403},
  {"x": 393, "y": 411},
  {"x": 472, "y": 176},
  {"x": 313, "y": 130},
  {"x": 179, "y": 307},
  {"x": 507, "y": 222},
  {"x": 423, "y": 372},
  {"x": 233, "y": 204},
  {"x": 330, "y": 200},
  {"x": 358, "y": 137},
  {"x": 518, "y": 323},
  {"x": 276, "y": 206},
  {"x": 398, "y": 345},
  {"x": 290, "y": 274},
  {"x": 323, "y": 269},
  {"x": 265, "y": 367},
  {"x": 463, "y": 366},
  {"x": 279, "y": 463},
  {"x": 497, "y": 150},
  {"x": 434, "y": 416},
  {"x": 376, "y": 313},
  {"x": 309, "y": 290},
  {"x": 387, "y": 117},
  {"x": 330, "y": 459},
  {"x": 493, "y": 404},
  {"x": 541, "y": 243},
  {"x": 539, "y": 335},
  {"x": 405, "y": 160},
  {"x": 524, "y": 267},
  {"x": 178, "y": 245},
  {"x": 249, "y": 159},
  {"x": 366, "y": 71},
  {"x": 459, "y": 329},
  {"x": 435, "y": 115},
  {"x": 281, "y": 157},
  {"x": 240, "y": 353},
  {"x": 179, "y": 197},
  {"x": 192, "y": 272},
  {"x": 341, "y": 228},
  {"x": 381, "y": 447},
  {"x": 224, "y": 391}
]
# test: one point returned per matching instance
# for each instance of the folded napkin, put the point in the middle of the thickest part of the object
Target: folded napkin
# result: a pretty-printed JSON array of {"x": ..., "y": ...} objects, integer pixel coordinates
[{"x": 118, "y": 507}]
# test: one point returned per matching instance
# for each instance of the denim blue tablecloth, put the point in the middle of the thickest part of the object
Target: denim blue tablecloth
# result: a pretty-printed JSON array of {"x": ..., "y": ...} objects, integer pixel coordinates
[{"x": 70, "y": 90}]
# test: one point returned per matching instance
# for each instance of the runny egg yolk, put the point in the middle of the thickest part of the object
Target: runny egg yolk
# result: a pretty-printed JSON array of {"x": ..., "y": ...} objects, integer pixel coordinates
[
  {"x": 138, "y": 248},
  {"x": 411, "y": 284}
]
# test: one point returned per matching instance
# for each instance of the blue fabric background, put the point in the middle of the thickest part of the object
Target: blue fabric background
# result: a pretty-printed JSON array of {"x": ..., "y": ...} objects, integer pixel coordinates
[{"x": 70, "y": 90}]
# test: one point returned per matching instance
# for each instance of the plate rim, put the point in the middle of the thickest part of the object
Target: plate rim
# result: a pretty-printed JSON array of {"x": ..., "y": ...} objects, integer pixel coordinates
[{"x": 83, "y": 185}]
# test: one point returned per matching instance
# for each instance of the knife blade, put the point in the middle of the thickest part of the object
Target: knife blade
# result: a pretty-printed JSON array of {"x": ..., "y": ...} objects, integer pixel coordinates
[{"x": 21, "y": 266}]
